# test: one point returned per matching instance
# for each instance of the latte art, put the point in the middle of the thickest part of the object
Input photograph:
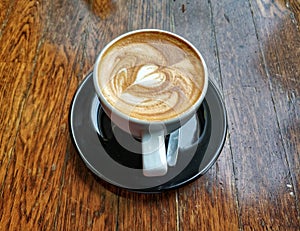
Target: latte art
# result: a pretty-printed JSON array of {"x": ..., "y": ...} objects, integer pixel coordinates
[{"x": 153, "y": 80}]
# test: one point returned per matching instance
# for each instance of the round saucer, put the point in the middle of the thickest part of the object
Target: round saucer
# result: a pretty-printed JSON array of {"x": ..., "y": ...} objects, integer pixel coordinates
[{"x": 99, "y": 143}]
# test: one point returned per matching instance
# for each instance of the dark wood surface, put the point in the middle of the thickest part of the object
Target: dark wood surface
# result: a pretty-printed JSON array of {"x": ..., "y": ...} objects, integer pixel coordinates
[{"x": 252, "y": 49}]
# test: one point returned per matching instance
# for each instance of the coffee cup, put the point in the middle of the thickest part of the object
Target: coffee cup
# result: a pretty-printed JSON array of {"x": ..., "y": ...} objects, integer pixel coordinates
[{"x": 150, "y": 82}]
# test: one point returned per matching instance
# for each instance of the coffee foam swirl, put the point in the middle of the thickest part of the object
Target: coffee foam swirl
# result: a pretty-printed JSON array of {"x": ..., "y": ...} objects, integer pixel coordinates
[{"x": 152, "y": 81}]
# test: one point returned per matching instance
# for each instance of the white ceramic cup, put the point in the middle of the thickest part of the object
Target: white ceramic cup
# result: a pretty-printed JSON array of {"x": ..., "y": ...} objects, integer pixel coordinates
[{"x": 151, "y": 133}]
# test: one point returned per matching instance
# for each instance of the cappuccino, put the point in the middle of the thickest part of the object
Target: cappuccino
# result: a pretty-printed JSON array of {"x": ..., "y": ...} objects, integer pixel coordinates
[{"x": 151, "y": 76}]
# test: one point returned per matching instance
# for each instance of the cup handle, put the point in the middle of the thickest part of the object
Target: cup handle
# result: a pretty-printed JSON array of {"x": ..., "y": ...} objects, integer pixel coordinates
[{"x": 154, "y": 154}]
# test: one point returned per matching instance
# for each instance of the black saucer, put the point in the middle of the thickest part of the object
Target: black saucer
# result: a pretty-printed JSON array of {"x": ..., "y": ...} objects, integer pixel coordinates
[{"x": 114, "y": 156}]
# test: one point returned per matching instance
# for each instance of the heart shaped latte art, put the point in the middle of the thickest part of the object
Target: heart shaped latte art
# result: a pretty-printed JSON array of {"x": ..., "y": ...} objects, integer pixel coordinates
[
  {"x": 150, "y": 90},
  {"x": 152, "y": 81}
]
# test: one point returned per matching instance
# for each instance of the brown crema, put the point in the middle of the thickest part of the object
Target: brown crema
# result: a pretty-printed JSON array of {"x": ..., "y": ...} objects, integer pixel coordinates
[{"x": 151, "y": 76}]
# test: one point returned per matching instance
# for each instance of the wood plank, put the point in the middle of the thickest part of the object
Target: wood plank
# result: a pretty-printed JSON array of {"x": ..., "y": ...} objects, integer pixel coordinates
[
  {"x": 49, "y": 81},
  {"x": 12, "y": 98},
  {"x": 85, "y": 202},
  {"x": 39, "y": 150},
  {"x": 199, "y": 207},
  {"x": 282, "y": 67},
  {"x": 260, "y": 166},
  {"x": 18, "y": 43},
  {"x": 42, "y": 140}
]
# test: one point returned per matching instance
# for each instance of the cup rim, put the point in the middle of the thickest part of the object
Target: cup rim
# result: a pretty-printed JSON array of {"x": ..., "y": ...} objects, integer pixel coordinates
[{"x": 122, "y": 115}]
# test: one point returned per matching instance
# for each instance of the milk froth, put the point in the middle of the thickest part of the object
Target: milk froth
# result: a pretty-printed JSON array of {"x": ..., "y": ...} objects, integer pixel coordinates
[{"x": 151, "y": 76}]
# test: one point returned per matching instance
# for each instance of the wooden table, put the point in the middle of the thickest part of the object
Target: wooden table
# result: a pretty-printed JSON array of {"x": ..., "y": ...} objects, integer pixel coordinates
[{"x": 252, "y": 49}]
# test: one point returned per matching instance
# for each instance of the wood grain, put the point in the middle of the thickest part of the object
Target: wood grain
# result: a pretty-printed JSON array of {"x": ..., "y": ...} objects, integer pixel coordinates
[
  {"x": 283, "y": 75},
  {"x": 21, "y": 32},
  {"x": 12, "y": 103},
  {"x": 256, "y": 143}
]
